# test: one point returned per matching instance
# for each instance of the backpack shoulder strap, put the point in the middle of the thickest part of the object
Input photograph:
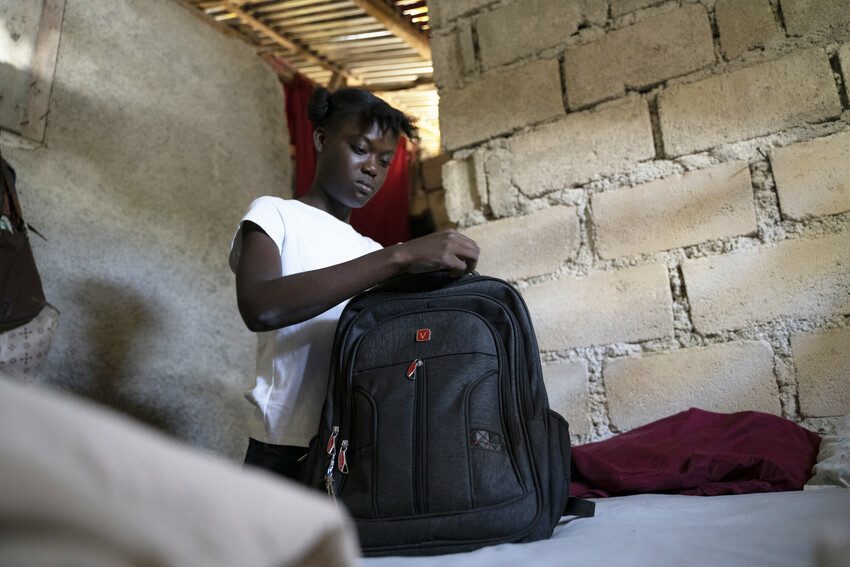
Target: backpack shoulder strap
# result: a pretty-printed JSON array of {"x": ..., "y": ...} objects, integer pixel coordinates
[{"x": 579, "y": 507}]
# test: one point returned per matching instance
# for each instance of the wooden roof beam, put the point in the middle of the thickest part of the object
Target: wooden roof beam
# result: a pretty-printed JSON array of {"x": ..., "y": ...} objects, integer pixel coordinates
[
  {"x": 396, "y": 24},
  {"x": 234, "y": 6}
]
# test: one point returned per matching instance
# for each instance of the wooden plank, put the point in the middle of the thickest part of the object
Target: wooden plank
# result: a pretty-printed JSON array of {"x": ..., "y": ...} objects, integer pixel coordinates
[
  {"x": 337, "y": 81},
  {"x": 285, "y": 70},
  {"x": 268, "y": 32},
  {"x": 397, "y": 25},
  {"x": 43, "y": 69}
]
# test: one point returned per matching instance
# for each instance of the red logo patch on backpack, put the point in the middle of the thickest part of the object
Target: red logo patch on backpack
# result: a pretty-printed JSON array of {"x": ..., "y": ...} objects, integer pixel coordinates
[{"x": 423, "y": 335}]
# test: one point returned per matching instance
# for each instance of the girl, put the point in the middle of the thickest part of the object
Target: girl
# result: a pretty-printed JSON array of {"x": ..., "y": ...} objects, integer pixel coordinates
[{"x": 298, "y": 262}]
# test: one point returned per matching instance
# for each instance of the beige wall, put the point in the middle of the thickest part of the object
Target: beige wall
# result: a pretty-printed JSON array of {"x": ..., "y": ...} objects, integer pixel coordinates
[
  {"x": 161, "y": 130},
  {"x": 668, "y": 184}
]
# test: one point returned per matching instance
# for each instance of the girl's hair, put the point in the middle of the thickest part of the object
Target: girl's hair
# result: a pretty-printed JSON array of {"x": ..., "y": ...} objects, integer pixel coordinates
[{"x": 328, "y": 110}]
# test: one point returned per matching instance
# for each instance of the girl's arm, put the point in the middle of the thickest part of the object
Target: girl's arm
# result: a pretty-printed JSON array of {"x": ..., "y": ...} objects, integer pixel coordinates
[{"x": 270, "y": 301}]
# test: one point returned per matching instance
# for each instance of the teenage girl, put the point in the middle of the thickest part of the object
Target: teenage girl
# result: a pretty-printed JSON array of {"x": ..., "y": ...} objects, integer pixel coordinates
[{"x": 298, "y": 262}]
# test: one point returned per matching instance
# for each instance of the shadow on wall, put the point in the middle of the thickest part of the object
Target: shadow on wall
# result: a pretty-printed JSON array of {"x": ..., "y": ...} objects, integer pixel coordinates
[{"x": 110, "y": 346}]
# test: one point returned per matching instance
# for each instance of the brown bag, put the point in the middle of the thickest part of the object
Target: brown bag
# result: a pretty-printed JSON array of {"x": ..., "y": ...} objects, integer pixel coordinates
[{"x": 21, "y": 293}]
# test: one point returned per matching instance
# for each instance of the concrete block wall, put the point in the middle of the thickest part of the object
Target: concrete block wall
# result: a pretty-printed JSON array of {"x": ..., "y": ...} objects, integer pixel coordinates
[{"x": 667, "y": 182}]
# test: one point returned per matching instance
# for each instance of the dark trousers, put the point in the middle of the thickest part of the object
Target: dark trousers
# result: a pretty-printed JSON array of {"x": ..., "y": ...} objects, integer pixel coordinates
[{"x": 279, "y": 459}]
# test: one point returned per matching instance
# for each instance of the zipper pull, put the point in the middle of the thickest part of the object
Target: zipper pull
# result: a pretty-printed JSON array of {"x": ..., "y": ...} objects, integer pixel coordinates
[
  {"x": 332, "y": 440},
  {"x": 342, "y": 464},
  {"x": 329, "y": 486},
  {"x": 411, "y": 370}
]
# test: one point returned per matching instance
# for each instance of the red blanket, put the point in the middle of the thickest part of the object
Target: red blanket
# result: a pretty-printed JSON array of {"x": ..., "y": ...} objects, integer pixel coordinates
[{"x": 698, "y": 452}]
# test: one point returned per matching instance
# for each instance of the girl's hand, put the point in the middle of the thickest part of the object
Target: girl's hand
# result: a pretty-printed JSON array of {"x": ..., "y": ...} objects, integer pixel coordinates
[{"x": 442, "y": 250}]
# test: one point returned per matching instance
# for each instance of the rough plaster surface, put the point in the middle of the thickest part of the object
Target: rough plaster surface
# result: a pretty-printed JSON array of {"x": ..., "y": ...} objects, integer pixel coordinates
[
  {"x": 749, "y": 102},
  {"x": 636, "y": 56},
  {"x": 533, "y": 25},
  {"x": 522, "y": 247},
  {"x": 745, "y": 25},
  {"x": 628, "y": 305},
  {"x": 823, "y": 372},
  {"x": 826, "y": 17},
  {"x": 797, "y": 278},
  {"x": 813, "y": 178},
  {"x": 581, "y": 146},
  {"x": 566, "y": 386},
  {"x": 161, "y": 131},
  {"x": 712, "y": 203},
  {"x": 527, "y": 94},
  {"x": 728, "y": 378}
]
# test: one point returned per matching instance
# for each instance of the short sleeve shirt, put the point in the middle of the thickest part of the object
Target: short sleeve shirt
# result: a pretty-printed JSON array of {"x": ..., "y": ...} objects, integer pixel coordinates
[{"x": 293, "y": 362}]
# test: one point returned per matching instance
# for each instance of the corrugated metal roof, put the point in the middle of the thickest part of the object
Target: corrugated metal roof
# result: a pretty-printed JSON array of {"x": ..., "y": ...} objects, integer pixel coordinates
[{"x": 381, "y": 45}]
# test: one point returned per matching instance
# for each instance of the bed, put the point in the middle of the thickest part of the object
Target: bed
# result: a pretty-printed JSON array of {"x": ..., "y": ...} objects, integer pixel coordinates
[
  {"x": 779, "y": 528},
  {"x": 85, "y": 486}
]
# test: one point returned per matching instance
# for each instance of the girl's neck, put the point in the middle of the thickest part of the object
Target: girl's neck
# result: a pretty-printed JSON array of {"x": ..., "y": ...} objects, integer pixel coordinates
[{"x": 317, "y": 197}]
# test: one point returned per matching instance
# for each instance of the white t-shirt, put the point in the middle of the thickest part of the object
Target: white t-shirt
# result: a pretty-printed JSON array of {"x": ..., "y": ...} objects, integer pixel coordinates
[{"x": 293, "y": 362}]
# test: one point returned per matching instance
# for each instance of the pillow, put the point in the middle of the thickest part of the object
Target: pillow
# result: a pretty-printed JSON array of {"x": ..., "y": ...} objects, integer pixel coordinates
[{"x": 833, "y": 466}]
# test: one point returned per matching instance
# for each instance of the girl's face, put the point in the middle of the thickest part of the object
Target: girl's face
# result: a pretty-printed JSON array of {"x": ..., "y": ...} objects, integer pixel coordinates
[{"x": 353, "y": 160}]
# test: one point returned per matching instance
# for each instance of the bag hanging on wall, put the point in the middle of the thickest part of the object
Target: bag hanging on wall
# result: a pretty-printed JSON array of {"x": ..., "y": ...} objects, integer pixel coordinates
[
  {"x": 436, "y": 432},
  {"x": 21, "y": 294},
  {"x": 27, "y": 322}
]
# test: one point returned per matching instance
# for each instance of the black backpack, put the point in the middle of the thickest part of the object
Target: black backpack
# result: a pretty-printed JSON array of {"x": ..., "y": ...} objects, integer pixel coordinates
[{"x": 436, "y": 432}]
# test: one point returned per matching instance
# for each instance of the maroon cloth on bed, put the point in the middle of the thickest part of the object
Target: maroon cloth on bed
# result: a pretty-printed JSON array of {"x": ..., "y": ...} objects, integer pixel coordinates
[{"x": 698, "y": 452}]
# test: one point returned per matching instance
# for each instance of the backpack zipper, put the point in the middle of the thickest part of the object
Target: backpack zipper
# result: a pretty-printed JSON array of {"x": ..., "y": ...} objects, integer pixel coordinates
[{"x": 419, "y": 438}]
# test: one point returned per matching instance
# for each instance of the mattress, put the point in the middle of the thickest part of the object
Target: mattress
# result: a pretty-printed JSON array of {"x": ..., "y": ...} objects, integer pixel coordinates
[{"x": 777, "y": 528}]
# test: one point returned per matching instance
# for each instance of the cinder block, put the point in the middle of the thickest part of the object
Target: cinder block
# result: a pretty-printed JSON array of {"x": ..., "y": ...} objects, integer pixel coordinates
[
  {"x": 726, "y": 378},
  {"x": 432, "y": 172},
  {"x": 526, "y": 246},
  {"x": 500, "y": 102},
  {"x": 713, "y": 203},
  {"x": 461, "y": 188},
  {"x": 441, "y": 12},
  {"x": 532, "y": 25},
  {"x": 628, "y": 305},
  {"x": 437, "y": 205},
  {"x": 750, "y": 102},
  {"x": 639, "y": 55},
  {"x": 798, "y": 278},
  {"x": 567, "y": 388},
  {"x": 844, "y": 59},
  {"x": 744, "y": 25},
  {"x": 580, "y": 147},
  {"x": 620, "y": 7},
  {"x": 816, "y": 16},
  {"x": 501, "y": 195},
  {"x": 453, "y": 55},
  {"x": 813, "y": 178},
  {"x": 823, "y": 372}
]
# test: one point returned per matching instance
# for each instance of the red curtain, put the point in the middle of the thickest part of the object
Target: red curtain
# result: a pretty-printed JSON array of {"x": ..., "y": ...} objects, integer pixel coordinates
[
  {"x": 385, "y": 217},
  {"x": 301, "y": 131}
]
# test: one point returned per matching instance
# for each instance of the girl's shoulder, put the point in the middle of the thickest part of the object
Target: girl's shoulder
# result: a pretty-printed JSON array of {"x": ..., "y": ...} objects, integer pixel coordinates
[{"x": 284, "y": 207}]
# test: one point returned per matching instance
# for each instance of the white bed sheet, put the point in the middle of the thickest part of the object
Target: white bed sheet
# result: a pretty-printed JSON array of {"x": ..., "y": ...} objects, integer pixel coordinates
[{"x": 653, "y": 529}]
